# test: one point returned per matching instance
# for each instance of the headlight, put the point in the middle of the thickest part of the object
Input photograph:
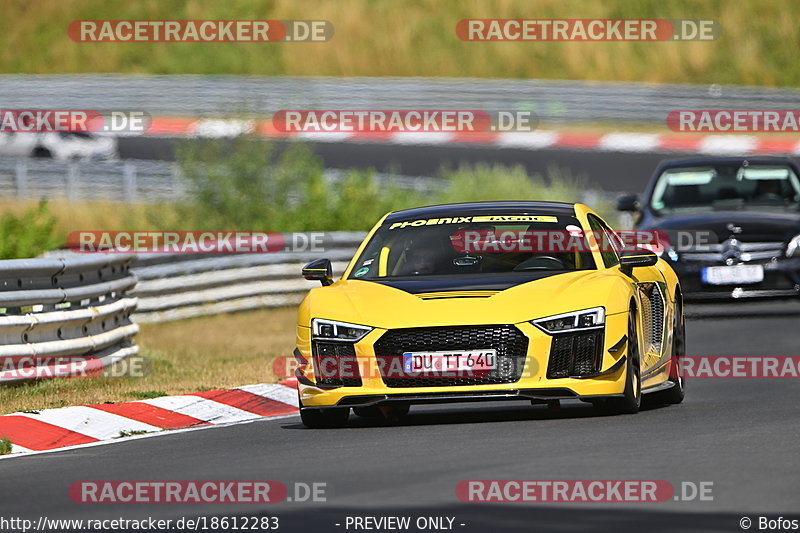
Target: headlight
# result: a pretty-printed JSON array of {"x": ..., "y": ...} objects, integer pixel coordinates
[
  {"x": 671, "y": 253},
  {"x": 793, "y": 250},
  {"x": 337, "y": 331},
  {"x": 579, "y": 320}
]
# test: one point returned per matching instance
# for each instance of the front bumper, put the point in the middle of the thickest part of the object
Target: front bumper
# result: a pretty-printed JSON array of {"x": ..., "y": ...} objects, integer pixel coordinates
[
  {"x": 781, "y": 280},
  {"x": 533, "y": 383}
]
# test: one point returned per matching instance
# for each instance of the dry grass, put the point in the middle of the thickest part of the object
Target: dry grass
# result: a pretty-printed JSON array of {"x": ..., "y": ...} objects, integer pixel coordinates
[
  {"x": 416, "y": 38},
  {"x": 94, "y": 216},
  {"x": 74, "y": 216},
  {"x": 185, "y": 356}
]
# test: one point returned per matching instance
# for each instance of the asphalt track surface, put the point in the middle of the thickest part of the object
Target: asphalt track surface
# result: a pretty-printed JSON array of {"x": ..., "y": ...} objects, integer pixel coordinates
[
  {"x": 611, "y": 171},
  {"x": 741, "y": 434}
]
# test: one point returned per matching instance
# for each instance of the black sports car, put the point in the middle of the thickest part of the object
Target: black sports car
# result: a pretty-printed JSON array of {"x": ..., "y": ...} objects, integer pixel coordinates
[{"x": 733, "y": 224}]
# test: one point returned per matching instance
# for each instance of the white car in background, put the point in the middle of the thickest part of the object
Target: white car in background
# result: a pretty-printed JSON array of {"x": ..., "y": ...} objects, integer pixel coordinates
[{"x": 62, "y": 146}]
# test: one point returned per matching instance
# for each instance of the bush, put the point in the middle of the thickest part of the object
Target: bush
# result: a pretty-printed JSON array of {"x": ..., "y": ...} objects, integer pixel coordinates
[
  {"x": 486, "y": 182},
  {"x": 245, "y": 184},
  {"x": 29, "y": 233},
  {"x": 498, "y": 182}
]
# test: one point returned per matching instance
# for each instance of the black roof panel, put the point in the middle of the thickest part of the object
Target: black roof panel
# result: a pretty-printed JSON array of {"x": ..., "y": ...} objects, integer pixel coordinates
[
  {"x": 478, "y": 208},
  {"x": 700, "y": 161}
]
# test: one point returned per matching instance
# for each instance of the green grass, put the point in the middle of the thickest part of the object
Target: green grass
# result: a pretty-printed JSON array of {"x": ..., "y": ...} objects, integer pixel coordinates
[
  {"x": 188, "y": 356},
  {"x": 416, "y": 38},
  {"x": 146, "y": 394},
  {"x": 5, "y": 446},
  {"x": 246, "y": 185},
  {"x": 123, "y": 434},
  {"x": 28, "y": 233}
]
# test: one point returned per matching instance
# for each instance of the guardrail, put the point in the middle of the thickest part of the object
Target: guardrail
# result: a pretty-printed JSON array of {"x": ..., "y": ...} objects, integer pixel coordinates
[
  {"x": 128, "y": 181},
  {"x": 176, "y": 286},
  {"x": 71, "y": 314},
  {"x": 551, "y": 100},
  {"x": 63, "y": 316}
]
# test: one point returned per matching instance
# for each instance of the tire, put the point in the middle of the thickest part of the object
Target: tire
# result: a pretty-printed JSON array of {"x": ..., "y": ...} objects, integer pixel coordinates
[
  {"x": 324, "y": 418},
  {"x": 631, "y": 399},
  {"x": 42, "y": 153},
  {"x": 676, "y": 393}
]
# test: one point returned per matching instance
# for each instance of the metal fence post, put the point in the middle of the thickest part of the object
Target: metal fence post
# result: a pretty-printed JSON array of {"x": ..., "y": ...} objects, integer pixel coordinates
[
  {"x": 21, "y": 179},
  {"x": 178, "y": 185},
  {"x": 72, "y": 180},
  {"x": 129, "y": 183}
]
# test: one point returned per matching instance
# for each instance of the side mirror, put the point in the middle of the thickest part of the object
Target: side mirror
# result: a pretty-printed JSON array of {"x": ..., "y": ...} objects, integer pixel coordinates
[
  {"x": 629, "y": 202},
  {"x": 319, "y": 270},
  {"x": 637, "y": 258}
]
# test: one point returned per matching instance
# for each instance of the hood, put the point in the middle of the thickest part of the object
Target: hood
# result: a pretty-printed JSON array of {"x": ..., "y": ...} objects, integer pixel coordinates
[
  {"x": 744, "y": 226},
  {"x": 380, "y": 305},
  {"x": 497, "y": 282}
]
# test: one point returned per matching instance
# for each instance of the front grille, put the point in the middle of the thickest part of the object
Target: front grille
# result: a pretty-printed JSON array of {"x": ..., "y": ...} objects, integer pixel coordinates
[
  {"x": 575, "y": 354},
  {"x": 733, "y": 249},
  {"x": 335, "y": 364},
  {"x": 509, "y": 342}
]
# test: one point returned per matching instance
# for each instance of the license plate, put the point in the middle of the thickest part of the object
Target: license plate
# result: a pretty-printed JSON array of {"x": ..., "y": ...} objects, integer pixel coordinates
[
  {"x": 450, "y": 361},
  {"x": 733, "y": 275}
]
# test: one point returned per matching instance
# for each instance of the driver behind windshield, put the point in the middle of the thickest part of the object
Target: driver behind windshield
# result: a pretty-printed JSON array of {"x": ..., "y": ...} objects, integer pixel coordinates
[
  {"x": 769, "y": 190},
  {"x": 426, "y": 253},
  {"x": 473, "y": 249},
  {"x": 422, "y": 261}
]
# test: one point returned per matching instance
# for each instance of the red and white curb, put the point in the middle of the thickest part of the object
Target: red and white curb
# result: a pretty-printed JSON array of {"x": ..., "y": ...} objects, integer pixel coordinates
[
  {"x": 50, "y": 429},
  {"x": 717, "y": 144}
]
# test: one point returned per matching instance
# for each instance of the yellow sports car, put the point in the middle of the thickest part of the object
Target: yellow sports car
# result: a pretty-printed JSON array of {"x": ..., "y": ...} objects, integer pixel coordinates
[{"x": 535, "y": 301}]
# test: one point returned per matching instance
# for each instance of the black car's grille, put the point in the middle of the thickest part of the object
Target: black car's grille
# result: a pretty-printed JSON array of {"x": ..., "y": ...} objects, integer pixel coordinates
[
  {"x": 335, "y": 364},
  {"x": 509, "y": 343},
  {"x": 575, "y": 354},
  {"x": 734, "y": 250}
]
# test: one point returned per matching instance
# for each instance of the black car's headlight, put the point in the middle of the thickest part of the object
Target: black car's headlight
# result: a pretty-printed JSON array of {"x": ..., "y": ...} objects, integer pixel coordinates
[
  {"x": 593, "y": 318},
  {"x": 793, "y": 249},
  {"x": 670, "y": 252},
  {"x": 332, "y": 330}
]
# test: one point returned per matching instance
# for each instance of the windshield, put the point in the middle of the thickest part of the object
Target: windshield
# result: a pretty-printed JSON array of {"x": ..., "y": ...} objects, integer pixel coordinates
[
  {"x": 729, "y": 186},
  {"x": 474, "y": 246}
]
